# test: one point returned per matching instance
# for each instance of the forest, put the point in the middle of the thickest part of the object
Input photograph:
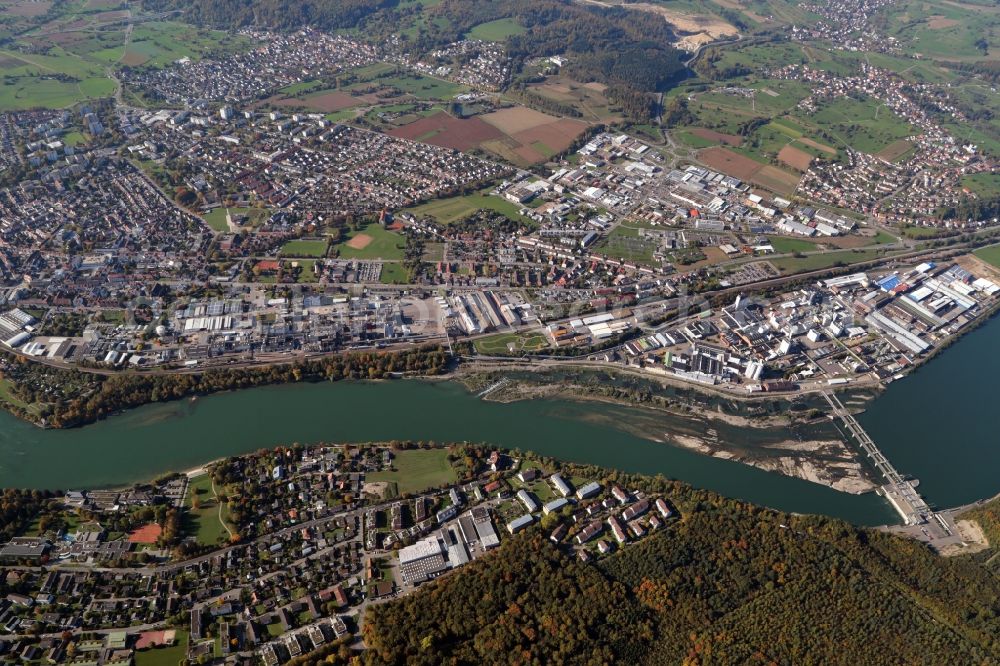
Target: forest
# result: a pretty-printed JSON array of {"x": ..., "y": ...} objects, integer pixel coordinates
[{"x": 728, "y": 583}]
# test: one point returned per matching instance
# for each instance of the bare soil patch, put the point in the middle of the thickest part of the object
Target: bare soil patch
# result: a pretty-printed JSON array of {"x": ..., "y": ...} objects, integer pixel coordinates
[
  {"x": 558, "y": 135},
  {"x": 443, "y": 130},
  {"x": 27, "y": 7},
  {"x": 941, "y": 22},
  {"x": 517, "y": 119},
  {"x": 776, "y": 180},
  {"x": 712, "y": 135},
  {"x": 894, "y": 150},
  {"x": 133, "y": 58},
  {"x": 360, "y": 242},
  {"x": 795, "y": 158},
  {"x": 324, "y": 102},
  {"x": 817, "y": 145},
  {"x": 728, "y": 162}
]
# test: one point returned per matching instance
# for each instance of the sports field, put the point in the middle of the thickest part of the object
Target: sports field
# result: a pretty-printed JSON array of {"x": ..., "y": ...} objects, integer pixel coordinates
[
  {"x": 164, "y": 656},
  {"x": 312, "y": 248},
  {"x": 415, "y": 470},
  {"x": 372, "y": 242}
]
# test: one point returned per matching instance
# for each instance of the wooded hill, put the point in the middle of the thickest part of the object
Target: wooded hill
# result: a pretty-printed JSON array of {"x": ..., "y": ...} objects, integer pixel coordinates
[{"x": 729, "y": 583}]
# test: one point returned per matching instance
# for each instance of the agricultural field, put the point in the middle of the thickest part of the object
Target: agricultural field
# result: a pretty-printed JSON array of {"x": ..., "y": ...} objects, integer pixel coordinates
[
  {"x": 520, "y": 135},
  {"x": 416, "y": 470},
  {"x": 311, "y": 248},
  {"x": 423, "y": 87},
  {"x": 372, "y": 242},
  {"x": 503, "y": 344},
  {"x": 452, "y": 209},
  {"x": 990, "y": 255},
  {"x": 867, "y": 126},
  {"x": 587, "y": 98},
  {"x": 442, "y": 129},
  {"x": 745, "y": 168},
  {"x": 946, "y": 29}
]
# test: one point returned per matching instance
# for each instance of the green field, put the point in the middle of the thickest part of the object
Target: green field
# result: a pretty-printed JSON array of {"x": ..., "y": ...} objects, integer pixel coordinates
[
  {"x": 788, "y": 245},
  {"x": 304, "y": 248},
  {"x": 424, "y": 87},
  {"x": 216, "y": 218},
  {"x": 867, "y": 126},
  {"x": 989, "y": 254},
  {"x": 986, "y": 185},
  {"x": 159, "y": 43},
  {"x": 499, "y": 345},
  {"x": 204, "y": 522},
  {"x": 624, "y": 243},
  {"x": 164, "y": 656},
  {"x": 393, "y": 272},
  {"x": 945, "y": 29},
  {"x": 447, "y": 211},
  {"x": 383, "y": 244},
  {"x": 416, "y": 470},
  {"x": 814, "y": 262},
  {"x": 496, "y": 31}
]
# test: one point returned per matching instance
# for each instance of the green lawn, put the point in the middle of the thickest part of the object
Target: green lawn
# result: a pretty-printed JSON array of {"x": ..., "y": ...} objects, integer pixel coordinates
[
  {"x": 416, "y": 470},
  {"x": 815, "y": 262},
  {"x": 164, "y": 656},
  {"x": 989, "y": 254},
  {"x": 394, "y": 273},
  {"x": 216, "y": 218},
  {"x": 498, "y": 345},
  {"x": 496, "y": 31},
  {"x": 304, "y": 248},
  {"x": 204, "y": 521},
  {"x": 382, "y": 244},
  {"x": 788, "y": 245},
  {"x": 452, "y": 209}
]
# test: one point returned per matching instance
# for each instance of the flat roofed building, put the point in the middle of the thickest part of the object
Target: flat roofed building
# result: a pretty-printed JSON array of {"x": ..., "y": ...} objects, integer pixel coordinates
[
  {"x": 519, "y": 524},
  {"x": 588, "y": 490},
  {"x": 25, "y": 548},
  {"x": 422, "y": 560}
]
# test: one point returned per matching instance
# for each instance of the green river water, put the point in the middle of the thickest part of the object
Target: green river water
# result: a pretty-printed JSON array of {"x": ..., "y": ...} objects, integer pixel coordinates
[{"x": 937, "y": 425}]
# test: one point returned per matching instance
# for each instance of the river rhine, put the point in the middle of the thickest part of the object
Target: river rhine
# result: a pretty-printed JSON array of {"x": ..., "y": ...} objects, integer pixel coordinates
[{"x": 936, "y": 425}]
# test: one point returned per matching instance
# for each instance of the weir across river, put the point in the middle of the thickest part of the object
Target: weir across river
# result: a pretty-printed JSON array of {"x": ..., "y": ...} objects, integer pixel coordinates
[{"x": 900, "y": 492}]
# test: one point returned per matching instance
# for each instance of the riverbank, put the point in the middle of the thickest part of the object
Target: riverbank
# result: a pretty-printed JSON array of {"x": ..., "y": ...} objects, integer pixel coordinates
[{"x": 815, "y": 452}]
